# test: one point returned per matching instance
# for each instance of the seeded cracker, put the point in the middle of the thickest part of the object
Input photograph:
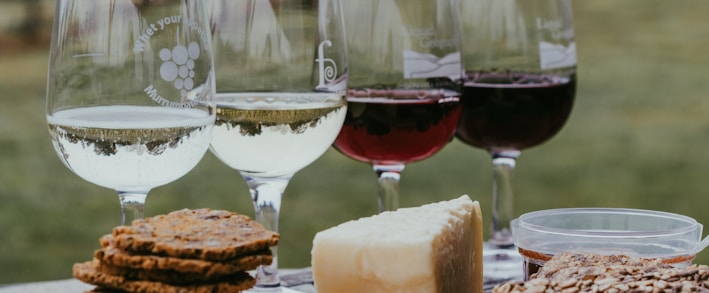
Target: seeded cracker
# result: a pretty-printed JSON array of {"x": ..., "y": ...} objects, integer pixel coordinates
[
  {"x": 615, "y": 273},
  {"x": 175, "y": 270},
  {"x": 200, "y": 234},
  {"x": 166, "y": 276},
  {"x": 89, "y": 272}
]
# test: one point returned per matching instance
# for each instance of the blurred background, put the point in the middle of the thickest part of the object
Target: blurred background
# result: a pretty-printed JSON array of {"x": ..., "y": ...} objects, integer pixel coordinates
[{"x": 637, "y": 138}]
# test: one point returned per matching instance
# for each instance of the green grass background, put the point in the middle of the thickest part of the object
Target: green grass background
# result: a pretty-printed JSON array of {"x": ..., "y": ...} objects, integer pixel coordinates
[{"x": 637, "y": 138}]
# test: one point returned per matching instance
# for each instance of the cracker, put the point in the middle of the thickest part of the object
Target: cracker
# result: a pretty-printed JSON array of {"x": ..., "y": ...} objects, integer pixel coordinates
[
  {"x": 89, "y": 272},
  {"x": 165, "y": 276},
  {"x": 122, "y": 261},
  {"x": 207, "y": 234}
]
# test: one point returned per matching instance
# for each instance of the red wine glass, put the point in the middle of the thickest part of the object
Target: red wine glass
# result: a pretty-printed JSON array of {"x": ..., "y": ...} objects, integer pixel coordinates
[
  {"x": 403, "y": 97},
  {"x": 519, "y": 87}
]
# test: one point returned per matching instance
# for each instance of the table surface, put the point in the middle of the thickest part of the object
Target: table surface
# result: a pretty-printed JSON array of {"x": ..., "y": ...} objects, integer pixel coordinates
[{"x": 299, "y": 280}]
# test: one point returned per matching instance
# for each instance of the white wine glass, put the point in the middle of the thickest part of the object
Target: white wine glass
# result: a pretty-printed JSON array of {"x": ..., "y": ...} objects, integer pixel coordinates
[
  {"x": 404, "y": 86},
  {"x": 519, "y": 89},
  {"x": 129, "y": 94},
  {"x": 281, "y": 69}
]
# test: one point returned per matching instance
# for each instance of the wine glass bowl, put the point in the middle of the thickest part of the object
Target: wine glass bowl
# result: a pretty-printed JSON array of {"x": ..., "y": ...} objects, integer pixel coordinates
[
  {"x": 390, "y": 133},
  {"x": 404, "y": 86},
  {"x": 518, "y": 92},
  {"x": 266, "y": 122},
  {"x": 129, "y": 94},
  {"x": 129, "y": 155},
  {"x": 514, "y": 111}
]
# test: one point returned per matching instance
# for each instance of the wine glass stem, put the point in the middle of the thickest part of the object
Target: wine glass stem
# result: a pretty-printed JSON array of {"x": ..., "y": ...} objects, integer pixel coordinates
[
  {"x": 266, "y": 194},
  {"x": 132, "y": 204},
  {"x": 503, "y": 163},
  {"x": 388, "y": 182}
]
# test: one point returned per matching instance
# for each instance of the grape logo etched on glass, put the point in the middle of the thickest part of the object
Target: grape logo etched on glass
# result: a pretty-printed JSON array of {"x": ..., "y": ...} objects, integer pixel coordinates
[
  {"x": 178, "y": 62},
  {"x": 178, "y": 66}
]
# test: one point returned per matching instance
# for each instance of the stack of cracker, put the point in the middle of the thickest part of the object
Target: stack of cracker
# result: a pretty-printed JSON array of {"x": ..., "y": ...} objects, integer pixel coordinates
[{"x": 184, "y": 251}]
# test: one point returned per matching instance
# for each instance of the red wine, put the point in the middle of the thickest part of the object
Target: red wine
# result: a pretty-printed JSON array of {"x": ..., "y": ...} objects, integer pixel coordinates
[
  {"x": 397, "y": 129},
  {"x": 514, "y": 111}
]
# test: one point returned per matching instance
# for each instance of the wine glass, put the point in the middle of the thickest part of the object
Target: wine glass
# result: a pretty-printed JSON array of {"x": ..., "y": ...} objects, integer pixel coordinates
[
  {"x": 404, "y": 86},
  {"x": 281, "y": 69},
  {"x": 519, "y": 88},
  {"x": 129, "y": 94}
]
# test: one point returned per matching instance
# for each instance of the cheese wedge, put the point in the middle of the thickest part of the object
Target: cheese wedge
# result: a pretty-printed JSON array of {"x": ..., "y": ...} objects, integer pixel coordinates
[{"x": 431, "y": 248}]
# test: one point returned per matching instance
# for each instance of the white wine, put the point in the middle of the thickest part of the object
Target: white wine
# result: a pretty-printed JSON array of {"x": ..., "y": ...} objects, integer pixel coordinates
[
  {"x": 130, "y": 148},
  {"x": 275, "y": 134}
]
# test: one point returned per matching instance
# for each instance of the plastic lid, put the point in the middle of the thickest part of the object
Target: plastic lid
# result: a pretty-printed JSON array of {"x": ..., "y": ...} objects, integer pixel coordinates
[{"x": 633, "y": 232}]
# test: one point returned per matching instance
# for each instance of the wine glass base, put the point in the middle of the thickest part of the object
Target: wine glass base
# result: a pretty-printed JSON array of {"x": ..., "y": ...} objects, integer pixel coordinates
[
  {"x": 291, "y": 281},
  {"x": 501, "y": 265},
  {"x": 272, "y": 290}
]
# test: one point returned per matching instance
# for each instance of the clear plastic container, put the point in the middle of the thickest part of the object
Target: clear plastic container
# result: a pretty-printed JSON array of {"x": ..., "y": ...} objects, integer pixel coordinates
[{"x": 675, "y": 239}]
